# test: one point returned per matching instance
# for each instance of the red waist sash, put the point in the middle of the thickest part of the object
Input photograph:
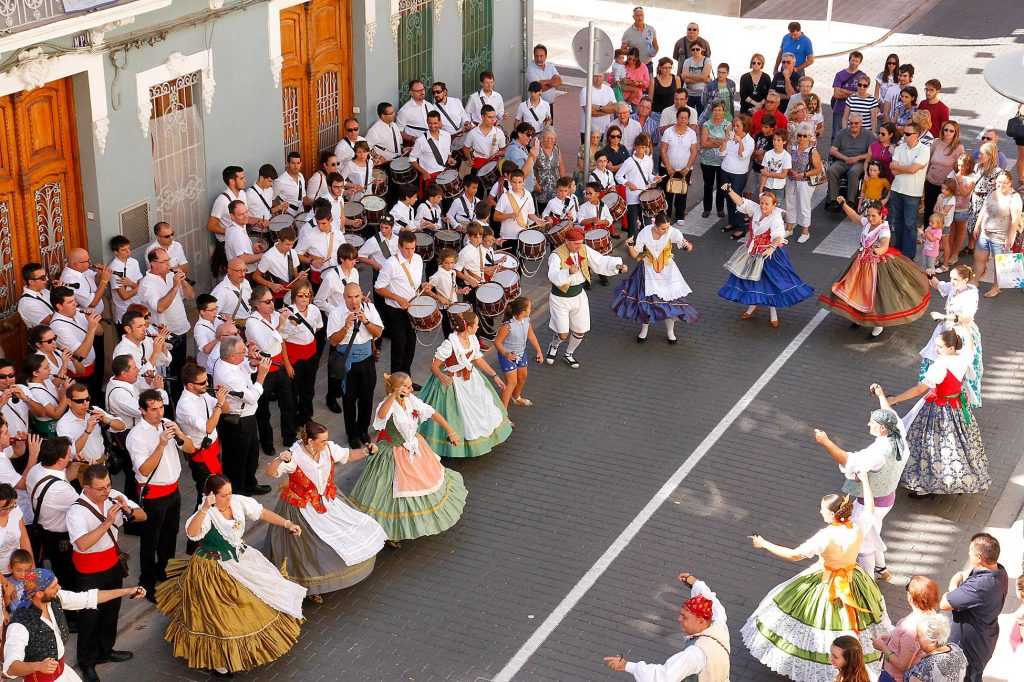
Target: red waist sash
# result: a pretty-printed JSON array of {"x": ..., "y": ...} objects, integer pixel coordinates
[
  {"x": 299, "y": 352},
  {"x": 94, "y": 562},
  {"x": 945, "y": 400},
  {"x": 210, "y": 457},
  {"x": 47, "y": 677},
  {"x": 155, "y": 491},
  {"x": 86, "y": 372}
]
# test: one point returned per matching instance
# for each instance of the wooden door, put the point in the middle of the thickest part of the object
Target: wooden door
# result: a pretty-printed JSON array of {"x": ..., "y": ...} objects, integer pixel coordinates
[
  {"x": 41, "y": 214},
  {"x": 316, "y": 78}
]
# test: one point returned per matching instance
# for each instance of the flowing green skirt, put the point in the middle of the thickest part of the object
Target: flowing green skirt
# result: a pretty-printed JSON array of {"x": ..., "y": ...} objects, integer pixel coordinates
[{"x": 474, "y": 411}]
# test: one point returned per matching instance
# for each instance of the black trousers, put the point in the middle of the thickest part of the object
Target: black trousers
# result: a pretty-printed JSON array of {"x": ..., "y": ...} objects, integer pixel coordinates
[
  {"x": 357, "y": 399},
  {"x": 96, "y": 382},
  {"x": 304, "y": 388},
  {"x": 179, "y": 350},
  {"x": 277, "y": 386},
  {"x": 239, "y": 452},
  {"x": 712, "y": 177},
  {"x": 57, "y": 548},
  {"x": 159, "y": 537},
  {"x": 403, "y": 338},
  {"x": 97, "y": 628}
]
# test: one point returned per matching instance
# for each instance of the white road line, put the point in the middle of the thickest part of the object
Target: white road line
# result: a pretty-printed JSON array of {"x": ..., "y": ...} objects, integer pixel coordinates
[{"x": 570, "y": 600}]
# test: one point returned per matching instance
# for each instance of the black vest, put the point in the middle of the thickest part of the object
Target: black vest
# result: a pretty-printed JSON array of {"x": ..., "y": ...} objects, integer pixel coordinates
[{"x": 41, "y": 642}]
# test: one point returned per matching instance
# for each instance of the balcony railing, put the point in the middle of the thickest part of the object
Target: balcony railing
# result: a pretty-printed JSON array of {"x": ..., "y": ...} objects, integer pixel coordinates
[{"x": 17, "y": 15}]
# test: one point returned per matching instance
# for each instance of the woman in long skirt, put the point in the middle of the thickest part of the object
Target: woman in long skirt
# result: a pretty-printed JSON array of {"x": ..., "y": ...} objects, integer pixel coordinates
[
  {"x": 339, "y": 543},
  {"x": 230, "y": 609},
  {"x": 458, "y": 391},
  {"x": 961, "y": 307},
  {"x": 946, "y": 455},
  {"x": 793, "y": 628},
  {"x": 759, "y": 271},
  {"x": 404, "y": 487},
  {"x": 655, "y": 291},
  {"x": 880, "y": 287}
]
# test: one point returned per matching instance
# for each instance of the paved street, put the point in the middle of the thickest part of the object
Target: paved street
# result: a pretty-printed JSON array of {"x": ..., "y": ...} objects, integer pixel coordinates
[{"x": 602, "y": 441}]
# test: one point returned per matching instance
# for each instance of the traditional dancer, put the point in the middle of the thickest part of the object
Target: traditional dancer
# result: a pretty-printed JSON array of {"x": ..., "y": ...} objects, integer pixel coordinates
[
  {"x": 457, "y": 391},
  {"x": 880, "y": 287},
  {"x": 883, "y": 462},
  {"x": 759, "y": 271},
  {"x": 404, "y": 487},
  {"x": 569, "y": 268},
  {"x": 961, "y": 296},
  {"x": 791, "y": 631},
  {"x": 230, "y": 609},
  {"x": 339, "y": 543},
  {"x": 946, "y": 452},
  {"x": 656, "y": 290}
]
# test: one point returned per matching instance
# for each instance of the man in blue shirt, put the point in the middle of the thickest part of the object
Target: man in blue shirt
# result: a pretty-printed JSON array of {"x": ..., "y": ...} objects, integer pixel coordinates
[{"x": 799, "y": 45}]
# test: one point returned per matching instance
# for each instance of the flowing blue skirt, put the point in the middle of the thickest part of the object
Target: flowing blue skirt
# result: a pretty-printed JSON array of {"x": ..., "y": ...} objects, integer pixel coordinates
[
  {"x": 779, "y": 286},
  {"x": 631, "y": 303}
]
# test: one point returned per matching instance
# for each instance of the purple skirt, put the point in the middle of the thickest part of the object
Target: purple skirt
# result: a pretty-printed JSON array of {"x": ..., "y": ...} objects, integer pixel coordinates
[
  {"x": 631, "y": 303},
  {"x": 779, "y": 286}
]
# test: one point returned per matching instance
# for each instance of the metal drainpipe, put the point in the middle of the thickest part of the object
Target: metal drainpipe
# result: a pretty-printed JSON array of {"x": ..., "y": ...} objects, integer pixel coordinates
[{"x": 525, "y": 8}]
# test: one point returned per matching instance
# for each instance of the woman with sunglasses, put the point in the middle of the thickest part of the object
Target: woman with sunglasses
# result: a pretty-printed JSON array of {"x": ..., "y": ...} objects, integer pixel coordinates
[
  {"x": 43, "y": 341},
  {"x": 807, "y": 168},
  {"x": 47, "y": 400},
  {"x": 882, "y": 148},
  {"x": 696, "y": 73},
  {"x": 944, "y": 154},
  {"x": 754, "y": 86},
  {"x": 888, "y": 78},
  {"x": 317, "y": 185},
  {"x": 863, "y": 104}
]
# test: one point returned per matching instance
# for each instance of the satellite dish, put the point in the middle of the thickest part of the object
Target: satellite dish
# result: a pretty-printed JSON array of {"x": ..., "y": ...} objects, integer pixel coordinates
[{"x": 604, "y": 52}]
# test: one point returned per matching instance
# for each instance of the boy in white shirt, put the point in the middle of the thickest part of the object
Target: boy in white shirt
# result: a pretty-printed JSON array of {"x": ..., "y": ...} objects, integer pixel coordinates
[
  {"x": 637, "y": 174},
  {"x": 124, "y": 284},
  {"x": 446, "y": 289},
  {"x": 561, "y": 206},
  {"x": 593, "y": 213},
  {"x": 515, "y": 210},
  {"x": 428, "y": 214},
  {"x": 776, "y": 164},
  {"x": 464, "y": 206},
  {"x": 534, "y": 111},
  {"x": 403, "y": 211},
  {"x": 471, "y": 266}
]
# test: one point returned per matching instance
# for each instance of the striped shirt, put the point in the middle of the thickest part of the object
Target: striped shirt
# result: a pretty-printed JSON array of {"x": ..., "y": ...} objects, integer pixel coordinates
[{"x": 862, "y": 106}]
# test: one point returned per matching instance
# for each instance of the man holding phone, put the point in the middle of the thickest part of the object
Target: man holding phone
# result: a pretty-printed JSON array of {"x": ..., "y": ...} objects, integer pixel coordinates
[
  {"x": 82, "y": 424},
  {"x": 237, "y": 425}
]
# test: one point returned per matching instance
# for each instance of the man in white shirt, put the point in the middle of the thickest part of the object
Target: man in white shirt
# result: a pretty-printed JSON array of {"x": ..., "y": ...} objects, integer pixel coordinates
[
  {"x": 126, "y": 274},
  {"x": 630, "y": 127},
  {"x": 93, "y": 522},
  {"x": 431, "y": 153},
  {"x": 485, "y": 96},
  {"x": 351, "y": 331},
  {"x": 400, "y": 281},
  {"x": 150, "y": 354},
  {"x": 487, "y": 141},
  {"x": 533, "y": 111},
  {"x": 602, "y": 106},
  {"x": 52, "y": 495},
  {"x": 13, "y": 405},
  {"x": 345, "y": 150},
  {"x": 319, "y": 247},
  {"x": 80, "y": 276},
  {"x": 909, "y": 166},
  {"x": 165, "y": 240},
  {"x": 233, "y": 294},
  {"x": 82, "y": 336},
  {"x": 541, "y": 71},
  {"x": 163, "y": 292},
  {"x": 34, "y": 307},
  {"x": 153, "y": 444},
  {"x": 82, "y": 425},
  {"x": 412, "y": 117},
  {"x": 237, "y": 428},
  {"x": 263, "y": 331},
  {"x": 290, "y": 186},
  {"x": 198, "y": 413},
  {"x": 515, "y": 209},
  {"x": 454, "y": 119},
  {"x": 260, "y": 198},
  {"x": 385, "y": 136},
  {"x": 667, "y": 117},
  {"x": 220, "y": 218},
  {"x": 204, "y": 333},
  {"x": 237, "y": 243}
]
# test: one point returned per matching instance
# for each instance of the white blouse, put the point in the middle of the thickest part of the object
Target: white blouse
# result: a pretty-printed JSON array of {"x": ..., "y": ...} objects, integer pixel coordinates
[
  {"x": 233, "y": 530},
  {"x": 464, "y": 357},
  {"x": 761, "y": 223},
  {"x": 407, "y": 420},
  {"x": 317, "y": 471}
]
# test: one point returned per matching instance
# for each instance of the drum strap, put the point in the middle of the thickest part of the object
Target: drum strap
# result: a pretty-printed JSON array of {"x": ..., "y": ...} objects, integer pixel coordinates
[
  {"x": 642, "y": 174},
  {"x": 462, "y": 200},
  {"x": 435, "y": 151},
  {"x": 441, "y": 109},
  {"x": 259, "y": 193},
  {"x": 408, "y": 275},
  {"x": 394, "y": 138},
  {"x": 366, "y": 176},
  {"x": 291, "y": 265},
  {"x": 385, "y": 250},
  {"x": 517, "y": 209},
  {"x": 534, "y": 114}
]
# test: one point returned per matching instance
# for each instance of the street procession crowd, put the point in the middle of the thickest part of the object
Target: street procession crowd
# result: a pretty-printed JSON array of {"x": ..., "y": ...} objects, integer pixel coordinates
[{"x": 448, "y": 212}]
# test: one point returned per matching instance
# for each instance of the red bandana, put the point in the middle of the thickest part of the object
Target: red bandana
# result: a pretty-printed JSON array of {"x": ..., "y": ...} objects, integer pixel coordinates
[{"x": 699, "y": 606}]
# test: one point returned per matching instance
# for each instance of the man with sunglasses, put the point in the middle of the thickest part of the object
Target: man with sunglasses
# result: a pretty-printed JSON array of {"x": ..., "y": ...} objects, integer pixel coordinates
[
  {"x": 844, "y": 85},
  {"x": 263, "y": 330},
  {"x": 681, "y": 50},
  {"x": 454, "y": 119},
  {"x": 786, "y": 81},
  {"x": 164, "y": 292},
  {"x": 14, "y": 399},
  {"x": 83, "y": 425},
  {"x": 992, "y": 135},
  {"x": 164, "y": 239},
  {"x": 909, "y": 166},
  {"x": 345, "y": 150},
  {"x": 34, "y": 307}
]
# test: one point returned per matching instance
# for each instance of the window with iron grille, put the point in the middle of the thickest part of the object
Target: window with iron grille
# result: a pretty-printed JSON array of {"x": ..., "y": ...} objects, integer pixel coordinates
[
  {"x": 477, "y": 35},
  {"x": 415, "y": 44}
]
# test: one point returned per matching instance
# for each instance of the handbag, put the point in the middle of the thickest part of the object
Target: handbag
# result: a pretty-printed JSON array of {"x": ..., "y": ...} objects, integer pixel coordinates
[
  {"x": 122, "y": 557},
  {"x": 1015, "y": 127},
  {"x": 814, "y": 180},
  {"x": 676, "y": 186}
]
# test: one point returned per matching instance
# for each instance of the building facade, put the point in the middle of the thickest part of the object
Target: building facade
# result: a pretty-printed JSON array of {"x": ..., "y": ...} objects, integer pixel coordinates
[{"x": 121, "y": 114}]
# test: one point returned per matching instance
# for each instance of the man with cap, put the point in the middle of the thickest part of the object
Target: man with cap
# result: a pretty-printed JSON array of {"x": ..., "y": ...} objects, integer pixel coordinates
[
  {"x": 38, "y": 632},
  {"x": 883, "y": 461},
  {"x": 706, "y": 654},
  {"x": 569, "y": 270}
]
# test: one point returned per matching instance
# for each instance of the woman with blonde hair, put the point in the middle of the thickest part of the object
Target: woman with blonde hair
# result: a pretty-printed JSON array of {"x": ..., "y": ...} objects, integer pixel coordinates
[
  {"x": 986, "y": 171},
  {"x": 404, "y": 487},
  {"x": 899, "y": 647},
  {"x": 941, "y": 162},
  {"x": 996, "y": 228},
  {"x": 806, "y": 173}
]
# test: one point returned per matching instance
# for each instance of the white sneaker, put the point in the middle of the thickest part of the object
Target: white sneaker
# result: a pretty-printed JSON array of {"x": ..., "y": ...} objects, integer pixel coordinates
[
  {"x": 802, "y": 238},
  {"x": 877, "y": 331},
  {"x": 680, "y": 223}
]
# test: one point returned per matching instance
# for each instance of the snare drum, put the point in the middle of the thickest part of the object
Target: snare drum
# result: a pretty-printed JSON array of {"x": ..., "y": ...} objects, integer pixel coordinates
[
  {"x": 281, "y": 221},
  {"x": 599, "y": 239},
  {"x": 355, "y": 240},
  {"x": 490, "y": 299},
  {"x": 616, "y": 205},
  {"x": 375, "y": 209},
  {"x": 653, "y": 201},
  {"x": 425, "y": 246},
  {"x": 354, "y": 210},
  {"x": 448, "y": 239},
  {"x": 531, "y": 245},
  {"x": 459, "y": 308},
  {"x": 488, "y": 174},
  {"x": 378, "y": 182},
  {"x": 450, "y": 183},
  {"x": 424, "y": 314},
  {"x": 402, "y": 172},
  {"x": 556, "y": 234},
  {"x": 507, "y": 261},
  {"x": 509, "y": 281}
]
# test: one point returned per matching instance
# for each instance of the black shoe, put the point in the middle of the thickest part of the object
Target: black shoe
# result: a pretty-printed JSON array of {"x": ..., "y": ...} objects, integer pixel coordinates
[
  {"x": 333, "y": 406},
  {"x": 721, "y": 213},
  {"x": 854, "y": 325},
  {"x": 366, "y": 438},
  {"x": 268, "y": 449},
  {"x": 705, "y": 214},
  {"x": 259, "y": 489},
  {"x": 416, "y": 387},
  {"x": 116, "y": 656},
  {"x": 641, "y": 339},
  {"x": 89, "y": 674}
]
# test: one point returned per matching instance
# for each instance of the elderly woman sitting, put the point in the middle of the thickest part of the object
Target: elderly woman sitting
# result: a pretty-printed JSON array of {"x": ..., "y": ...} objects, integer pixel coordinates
[{"x": 940, "y": 660}]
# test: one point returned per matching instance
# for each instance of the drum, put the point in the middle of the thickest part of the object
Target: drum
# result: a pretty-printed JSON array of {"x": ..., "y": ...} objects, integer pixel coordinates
[
  {"x": 599, "y": 239},
  {"x": 531, "y": 245},
  {"x": 507, "y": 261},
  {"x": 509, "y": 281},
  {"x": 616, "y": 205},
  {"x": 457, "y": 309},
  {"x": 653, "y": 201},
  {"x": 450, "y": 183},
  {"x": 488, "y": 174},
  {"x": 425, "y": 246},
  {"x": 379, "y": 182},
  {"x": 354, "y": 210},
  {"x": 490, "y": 299},
  {"x": 556, "y": 233},
  {"x": 281, "y": 221},
  {"x": 458, "y": 141},
  {"x": 402, "y": 172},
  {"x": 355, "y": 240},
  {"x": 375, "y": 209},
  {"x": 448, "y": 239},
  {"x": 424, "y": 314}
]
